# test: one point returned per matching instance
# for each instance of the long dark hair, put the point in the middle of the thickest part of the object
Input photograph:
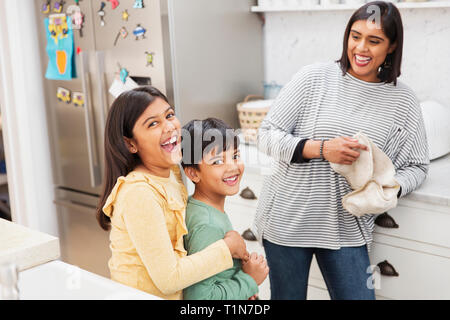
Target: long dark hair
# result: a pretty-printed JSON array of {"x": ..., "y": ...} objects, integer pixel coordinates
[
  {"x": 391, "y": 23},
  {"x": 119, "y": 161}
]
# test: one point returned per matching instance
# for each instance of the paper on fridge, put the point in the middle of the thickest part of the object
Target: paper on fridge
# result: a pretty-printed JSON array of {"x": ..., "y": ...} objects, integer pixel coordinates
[{"x": 117, "y": 87}]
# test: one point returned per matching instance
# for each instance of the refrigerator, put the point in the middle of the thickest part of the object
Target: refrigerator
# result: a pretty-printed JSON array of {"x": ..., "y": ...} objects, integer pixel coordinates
[{"x": 207, "y": 56}]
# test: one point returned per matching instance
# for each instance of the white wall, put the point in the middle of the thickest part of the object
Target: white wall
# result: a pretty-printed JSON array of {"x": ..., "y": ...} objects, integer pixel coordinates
[
  {"x": 24, "y": 119},
  {"x": 295, "y": 39}
]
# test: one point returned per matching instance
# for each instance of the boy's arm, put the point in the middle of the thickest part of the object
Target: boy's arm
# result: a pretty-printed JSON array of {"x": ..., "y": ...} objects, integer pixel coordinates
[{"x": 238, "y": 286}]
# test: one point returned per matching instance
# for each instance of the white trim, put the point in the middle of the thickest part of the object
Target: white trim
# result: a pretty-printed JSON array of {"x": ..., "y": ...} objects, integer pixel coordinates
[{"x": 25, "y": 130}]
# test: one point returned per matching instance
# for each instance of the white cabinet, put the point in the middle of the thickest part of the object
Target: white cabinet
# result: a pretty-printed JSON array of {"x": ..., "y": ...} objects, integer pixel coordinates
[{"x": 419, "y": 249}]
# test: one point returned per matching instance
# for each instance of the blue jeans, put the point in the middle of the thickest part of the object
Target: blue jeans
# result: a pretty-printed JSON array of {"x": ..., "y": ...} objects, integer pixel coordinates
[{"x": 344, "y": 271}]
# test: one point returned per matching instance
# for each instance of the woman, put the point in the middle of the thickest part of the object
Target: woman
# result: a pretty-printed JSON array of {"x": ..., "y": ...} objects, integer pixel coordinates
[
  {"x": 144, "y": 201},
  {"x": 300, "y": 211}
]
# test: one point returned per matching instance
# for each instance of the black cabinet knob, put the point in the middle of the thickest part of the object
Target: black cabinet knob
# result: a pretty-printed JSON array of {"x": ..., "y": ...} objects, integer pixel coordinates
[
  {"x": 247, "y": 193},
  {"x": 386, "y": 221},
  {"x": 387, "y": 269},
  {"x": 248, "y": 235}
]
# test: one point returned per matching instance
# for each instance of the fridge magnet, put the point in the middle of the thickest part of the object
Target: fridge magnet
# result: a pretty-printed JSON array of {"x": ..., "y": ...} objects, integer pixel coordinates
[
  {"x": 78, "y": 99},
  {"x": 125, "y": 15},
  {"x": 45, "y": 7},
  {"x": 139, "y": 32},
  {"x": 63, "y": 94},
  {"x": 149, "y": 56},
  {"x": 122, "y": 33},
  {"x": 58, "y": 27},
  {"x": 123, "y": 75},
  {"x": 101, "y": 14},
  {"x": 138, "y": 4},
  {"x": 114, "y": 3},
  {"x": 57, "y": 6},
  {"x": 60, "y": 48},
  {"x": 77, "y": 16}
]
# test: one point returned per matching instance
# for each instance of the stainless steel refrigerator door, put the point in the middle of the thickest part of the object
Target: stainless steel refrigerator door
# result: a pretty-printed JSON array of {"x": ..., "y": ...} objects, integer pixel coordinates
[
  {"x": 76, "y": 131},
  {"x": 83, "y": 243},
  {"x": 217, "y": 57}
]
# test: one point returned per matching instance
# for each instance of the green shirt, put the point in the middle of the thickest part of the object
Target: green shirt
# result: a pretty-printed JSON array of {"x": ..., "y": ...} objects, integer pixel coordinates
[{"x": 205, "y": 226}]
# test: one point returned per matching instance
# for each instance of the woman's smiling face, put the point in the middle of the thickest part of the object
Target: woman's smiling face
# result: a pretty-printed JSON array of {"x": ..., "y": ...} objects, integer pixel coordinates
[{"x": 367, "y": 49}]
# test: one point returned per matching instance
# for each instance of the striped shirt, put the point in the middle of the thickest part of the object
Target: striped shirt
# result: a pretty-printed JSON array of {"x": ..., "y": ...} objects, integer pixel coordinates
[{"x": 301, "y": 203}]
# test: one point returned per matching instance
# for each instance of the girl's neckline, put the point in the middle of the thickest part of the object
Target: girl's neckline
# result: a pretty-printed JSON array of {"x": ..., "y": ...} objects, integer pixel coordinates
[{"x": 145, "y": 173}]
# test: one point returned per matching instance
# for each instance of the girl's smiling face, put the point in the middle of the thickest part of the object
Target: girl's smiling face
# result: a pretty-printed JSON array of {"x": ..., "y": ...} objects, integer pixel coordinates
[
  {"x": 367, "y": 49},
  {"x": 157, "y": 137}
]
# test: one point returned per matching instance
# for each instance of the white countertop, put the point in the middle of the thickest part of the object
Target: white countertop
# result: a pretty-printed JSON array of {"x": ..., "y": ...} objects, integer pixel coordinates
[
  {"x": 434, "y": 190},
  {"x": 25, "y": 247}
]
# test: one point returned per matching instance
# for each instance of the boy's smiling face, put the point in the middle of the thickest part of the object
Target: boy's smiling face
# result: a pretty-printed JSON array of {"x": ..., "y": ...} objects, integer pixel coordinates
[{"x": 219, "y": 173}]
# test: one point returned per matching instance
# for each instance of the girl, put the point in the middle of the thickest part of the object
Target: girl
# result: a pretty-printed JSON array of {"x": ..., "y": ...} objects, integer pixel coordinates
[{"x": 144, "y": 201}]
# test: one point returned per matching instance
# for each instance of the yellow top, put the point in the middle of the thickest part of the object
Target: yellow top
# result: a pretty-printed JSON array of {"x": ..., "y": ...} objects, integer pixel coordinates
[{"x": 147, "y": 228}]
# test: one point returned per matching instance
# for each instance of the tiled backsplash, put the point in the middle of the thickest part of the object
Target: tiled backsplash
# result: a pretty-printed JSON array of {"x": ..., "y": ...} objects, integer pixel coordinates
[{"x": 297, "y": 38}]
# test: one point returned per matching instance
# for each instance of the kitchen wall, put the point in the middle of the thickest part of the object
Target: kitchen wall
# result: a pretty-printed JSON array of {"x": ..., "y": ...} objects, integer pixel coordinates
[{"x": 295, "y": 39}]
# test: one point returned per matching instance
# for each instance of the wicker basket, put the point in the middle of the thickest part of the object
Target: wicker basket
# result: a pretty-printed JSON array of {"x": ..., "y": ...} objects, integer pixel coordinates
[{"x": 251, "y": 118}]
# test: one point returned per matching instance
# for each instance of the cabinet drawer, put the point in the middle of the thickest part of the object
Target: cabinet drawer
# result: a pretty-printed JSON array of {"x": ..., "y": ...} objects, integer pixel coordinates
[
  {"x": 421, "y": 275},
  {"x": 428, "y": 225}
]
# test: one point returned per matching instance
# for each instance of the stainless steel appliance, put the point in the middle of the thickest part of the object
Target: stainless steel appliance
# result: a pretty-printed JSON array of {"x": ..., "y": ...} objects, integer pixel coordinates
[{"x": 207, "y": 57}]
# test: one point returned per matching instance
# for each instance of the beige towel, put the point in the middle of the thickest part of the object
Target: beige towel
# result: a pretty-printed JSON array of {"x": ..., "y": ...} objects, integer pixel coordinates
[{"x": 372, "y": 179}]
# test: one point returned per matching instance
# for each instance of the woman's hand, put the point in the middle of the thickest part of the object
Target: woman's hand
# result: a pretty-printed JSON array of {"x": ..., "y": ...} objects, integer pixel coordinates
[
  {"x": 236, "y": 244},
  {"x": 342, "y": 150},
  {"x": 256, "y": 267}
]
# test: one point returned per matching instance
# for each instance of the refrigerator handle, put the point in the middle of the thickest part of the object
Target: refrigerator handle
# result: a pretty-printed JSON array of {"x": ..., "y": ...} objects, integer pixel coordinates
[
  {"x": 100, "y": 55},
  {"x": 94, "y": 166}
]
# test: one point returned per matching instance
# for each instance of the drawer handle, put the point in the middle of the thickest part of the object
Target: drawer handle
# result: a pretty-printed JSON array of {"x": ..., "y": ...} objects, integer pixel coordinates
[
  {"x": 387, "y": 269},
  {"x": 247, "y": 193},
  {"x": 386, "y": 221}
]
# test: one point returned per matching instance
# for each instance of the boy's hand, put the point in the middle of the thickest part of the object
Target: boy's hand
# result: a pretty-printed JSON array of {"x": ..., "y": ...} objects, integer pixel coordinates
[
  {"x": 256, "y": 267},
  {"x": 254, "y": 297},
  {"x": 236, "y": 244}
]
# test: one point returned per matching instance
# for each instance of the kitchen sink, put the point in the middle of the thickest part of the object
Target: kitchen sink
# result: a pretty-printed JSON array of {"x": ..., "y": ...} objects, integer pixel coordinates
[{"x": 57, "y": 280}]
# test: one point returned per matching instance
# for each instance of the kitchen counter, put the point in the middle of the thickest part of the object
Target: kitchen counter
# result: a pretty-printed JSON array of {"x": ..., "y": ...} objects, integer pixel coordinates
[
  {"x": 434, "y": 190},
  {"x": 25, "y": 247}
]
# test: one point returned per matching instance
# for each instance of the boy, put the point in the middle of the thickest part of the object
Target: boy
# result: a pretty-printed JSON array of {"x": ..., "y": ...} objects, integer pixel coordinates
[{"x": 211, "y": 161}]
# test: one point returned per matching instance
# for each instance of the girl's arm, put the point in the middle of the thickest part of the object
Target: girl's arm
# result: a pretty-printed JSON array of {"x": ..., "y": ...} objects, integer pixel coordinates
[{"x": 146, "y": 224}]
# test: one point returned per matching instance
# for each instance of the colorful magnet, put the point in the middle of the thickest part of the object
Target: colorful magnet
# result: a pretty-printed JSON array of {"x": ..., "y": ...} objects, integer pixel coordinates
[
  {"x": 78, "y": 99},
  {"x": 63, "y": 95},
  {"x": 149, "y": 56},
  {"x": 77, "y": 16},
  {"x": 57, "y": 6},
  {"x": 139, "y": 32},
  {"x": 125, "y": 15},
  {"x": 138, "y": 4},
  {"x": 114, "y": 3},
  {"x": 101, "y": 14},
  {"x": 58, "y": 26},
  {"x": 78, "y": 50},
  {"x": 45, "y": 7},
  {"x": 123, "y": 33},
  {"x": 123, "y": 75}
]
